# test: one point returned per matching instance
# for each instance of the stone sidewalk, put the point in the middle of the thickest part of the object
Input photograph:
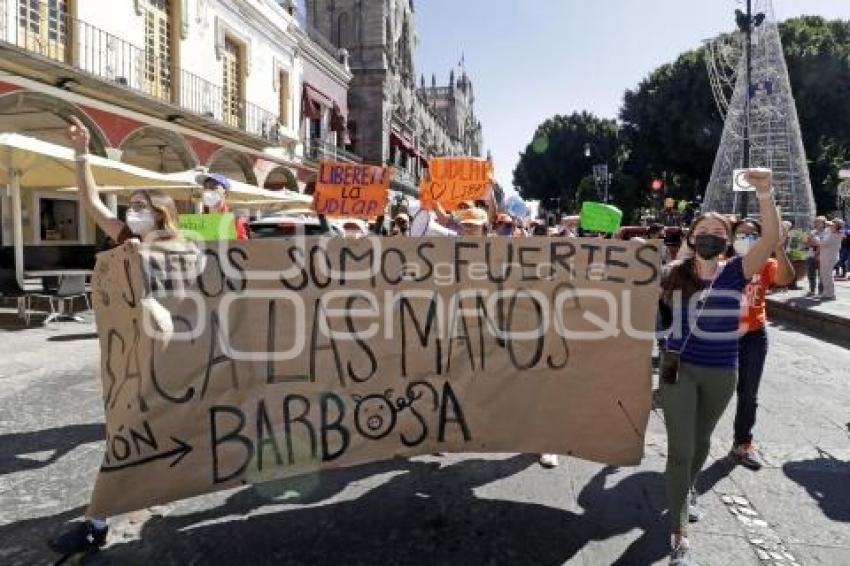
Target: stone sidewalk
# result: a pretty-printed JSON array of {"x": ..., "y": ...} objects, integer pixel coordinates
[{"x": 829, "y": 320}]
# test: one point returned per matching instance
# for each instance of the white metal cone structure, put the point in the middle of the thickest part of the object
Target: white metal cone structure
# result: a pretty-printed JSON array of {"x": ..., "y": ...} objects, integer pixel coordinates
[{"x": 775, "y": 137}]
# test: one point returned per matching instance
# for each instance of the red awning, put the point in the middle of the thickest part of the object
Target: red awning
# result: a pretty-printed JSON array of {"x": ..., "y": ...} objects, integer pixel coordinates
[
  {"x": 409, "y": 147},
  {"x": 400, "y": 141},
  {"x": 338, "y": 120},
  {"x": 312, "y": 100}
]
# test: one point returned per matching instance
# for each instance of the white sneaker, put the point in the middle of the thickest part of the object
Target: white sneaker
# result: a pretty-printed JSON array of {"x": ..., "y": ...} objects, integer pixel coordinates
[
  {"x": 695, "y": 514},
  {"x": 549, "y": 460},
  {"x": 681, "y": 555}
]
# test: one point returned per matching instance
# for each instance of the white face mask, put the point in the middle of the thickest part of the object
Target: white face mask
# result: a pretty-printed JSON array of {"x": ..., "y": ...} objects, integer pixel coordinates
[
  {"x": 743, "y": 245},
  {"x": 140, "y": 223},
  {"x": 211, "y": 199}
]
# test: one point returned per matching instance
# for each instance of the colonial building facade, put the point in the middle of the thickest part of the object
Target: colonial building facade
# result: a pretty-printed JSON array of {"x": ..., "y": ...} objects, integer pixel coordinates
[
  {"x": 168, "y": 85},
  {"x": 392, "y": 119}
]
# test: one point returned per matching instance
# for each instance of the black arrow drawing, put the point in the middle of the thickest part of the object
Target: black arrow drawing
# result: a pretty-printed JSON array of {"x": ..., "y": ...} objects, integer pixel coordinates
[{"x": 180, "y": 451}]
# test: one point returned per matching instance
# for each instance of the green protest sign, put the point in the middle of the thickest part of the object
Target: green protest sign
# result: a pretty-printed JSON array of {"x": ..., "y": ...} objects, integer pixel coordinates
[
  {"x": 208, "y": 227},
  {"x": 797, "y": 245},
  {"x": 598, "y": 217}
]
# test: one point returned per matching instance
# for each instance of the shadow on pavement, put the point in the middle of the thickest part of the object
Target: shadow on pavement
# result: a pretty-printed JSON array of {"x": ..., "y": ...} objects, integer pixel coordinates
[
  {"x": 826, "y": 479},
  {"x": 24, "y": 543},
  {"x": 426, "y": 514},
  {"x": 58, "y": 441},
  {"x": 73, "y": 337},
  {"x": 712, "y": 475}
]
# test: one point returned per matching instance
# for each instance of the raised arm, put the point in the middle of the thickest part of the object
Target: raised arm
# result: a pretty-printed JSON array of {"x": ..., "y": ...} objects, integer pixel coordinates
[
  {"x": 786, "y": 274},
  {"x": 103, "y": 217},
  {"x": 762, "y": 180}
]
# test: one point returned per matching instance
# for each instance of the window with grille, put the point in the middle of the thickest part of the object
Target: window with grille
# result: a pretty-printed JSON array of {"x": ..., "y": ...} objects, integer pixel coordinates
[
  {"x": 158, "y": 48},
  {"x": 232, "y": 82},
  {"x": 43, "y": 28},
  {"x": 285, "y": 99}
]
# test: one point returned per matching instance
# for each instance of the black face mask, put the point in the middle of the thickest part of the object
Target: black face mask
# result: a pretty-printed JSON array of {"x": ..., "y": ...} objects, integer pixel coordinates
[{"x": 709, "y": 246}]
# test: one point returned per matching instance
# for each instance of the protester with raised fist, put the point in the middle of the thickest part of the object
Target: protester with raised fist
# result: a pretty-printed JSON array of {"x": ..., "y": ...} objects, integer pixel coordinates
[
  {"x": 151, "y": 217},
  {"x": 700, "y": 359}
]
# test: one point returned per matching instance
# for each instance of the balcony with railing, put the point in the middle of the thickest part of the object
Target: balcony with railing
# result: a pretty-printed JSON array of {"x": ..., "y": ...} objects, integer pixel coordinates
[
  {"x": 71, "y": 42},
  {"x": 319, "y": 150}
]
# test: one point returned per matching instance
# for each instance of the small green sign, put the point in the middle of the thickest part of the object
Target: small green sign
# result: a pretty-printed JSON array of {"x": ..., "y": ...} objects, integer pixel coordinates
[
  {"x": 208, "y": 227},
  {"x": 598, "y": 217}
]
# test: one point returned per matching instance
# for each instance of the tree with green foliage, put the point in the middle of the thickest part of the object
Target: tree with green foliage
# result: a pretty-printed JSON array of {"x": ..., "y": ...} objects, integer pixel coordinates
[
  {"x": 671, "y": 123},
  {"x": 817, "y": 52},
  {"x": 671, "y": 127},
  {"x": 554, "y": 163}
]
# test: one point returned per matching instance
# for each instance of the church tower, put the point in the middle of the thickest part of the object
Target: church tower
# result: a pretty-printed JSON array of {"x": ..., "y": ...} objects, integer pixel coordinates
[{"x": 380, "y": 37}]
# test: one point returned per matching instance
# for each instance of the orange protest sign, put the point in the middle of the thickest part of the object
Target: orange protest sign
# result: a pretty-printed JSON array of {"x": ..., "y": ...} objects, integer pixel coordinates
[
  {"x": 453, "y": 180},
  {"x": 351, "y": 190}
]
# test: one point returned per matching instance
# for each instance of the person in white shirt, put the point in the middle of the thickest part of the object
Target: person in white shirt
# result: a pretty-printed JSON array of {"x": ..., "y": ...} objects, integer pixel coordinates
[{"x": 828, "y": 243}]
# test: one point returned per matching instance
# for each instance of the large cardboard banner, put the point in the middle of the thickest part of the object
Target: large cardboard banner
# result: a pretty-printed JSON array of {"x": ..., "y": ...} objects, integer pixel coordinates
[
  {"x": 453, "y": 180},
  {"x": 258, "y": 360},
  {"x": 351, "y": 190}
]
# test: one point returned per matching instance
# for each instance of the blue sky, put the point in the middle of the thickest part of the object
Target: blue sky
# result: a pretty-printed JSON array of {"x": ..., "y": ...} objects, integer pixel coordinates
[{"x": 532, "y": 59}]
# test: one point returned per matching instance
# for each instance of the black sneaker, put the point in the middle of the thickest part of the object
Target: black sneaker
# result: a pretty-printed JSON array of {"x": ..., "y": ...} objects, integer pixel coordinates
[
  {"x": 695, "y": 514},
  {"x": 745, "y": 455},
  {"x": 79, "y": 537}
]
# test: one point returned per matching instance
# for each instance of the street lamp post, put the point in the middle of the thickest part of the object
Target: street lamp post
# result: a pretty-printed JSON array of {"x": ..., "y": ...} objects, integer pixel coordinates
[
  {"x": 602, "y": 179},
  {"x": 601, "y": 176},
  {"x": 746, "y": 23}
]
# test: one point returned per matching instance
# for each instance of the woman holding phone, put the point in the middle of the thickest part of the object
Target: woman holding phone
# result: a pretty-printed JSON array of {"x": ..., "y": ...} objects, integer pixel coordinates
[{"x": 700, "y": 361}]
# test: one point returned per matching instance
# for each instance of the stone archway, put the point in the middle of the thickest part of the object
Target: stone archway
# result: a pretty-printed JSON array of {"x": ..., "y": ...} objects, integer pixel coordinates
[
  {"x": 233, "y": 165},
  {"x": 45, "y": 117},
  {"x": 53, "y": 219},
  {"x": 157, "y": 149}
]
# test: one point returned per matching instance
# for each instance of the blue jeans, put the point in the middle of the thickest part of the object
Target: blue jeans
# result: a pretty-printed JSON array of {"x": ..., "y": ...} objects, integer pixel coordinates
[
  {"x": 844, "y": 261},
  {"x": 752, "y": 353}
]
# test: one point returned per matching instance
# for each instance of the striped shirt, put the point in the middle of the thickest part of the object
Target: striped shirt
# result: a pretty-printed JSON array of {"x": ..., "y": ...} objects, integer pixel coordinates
[{"x": 714, "y": 341}]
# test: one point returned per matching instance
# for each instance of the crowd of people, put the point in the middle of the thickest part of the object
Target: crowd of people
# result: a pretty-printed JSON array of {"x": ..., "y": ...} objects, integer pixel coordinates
[
  {"x": 827, "y": 251},
  {"x": 722, "y": 266}
]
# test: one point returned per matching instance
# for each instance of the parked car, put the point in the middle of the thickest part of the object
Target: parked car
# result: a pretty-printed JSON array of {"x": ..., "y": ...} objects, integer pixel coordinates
[{"x": 289, "y": 225}]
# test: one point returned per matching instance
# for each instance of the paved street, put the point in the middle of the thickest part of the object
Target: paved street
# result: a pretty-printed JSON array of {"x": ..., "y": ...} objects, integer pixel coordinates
[{"x": 471, "y": 509}]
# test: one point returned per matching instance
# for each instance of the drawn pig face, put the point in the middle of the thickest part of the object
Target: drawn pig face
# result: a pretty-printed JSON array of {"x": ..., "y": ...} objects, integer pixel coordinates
[{"x": 374, "y": 415}]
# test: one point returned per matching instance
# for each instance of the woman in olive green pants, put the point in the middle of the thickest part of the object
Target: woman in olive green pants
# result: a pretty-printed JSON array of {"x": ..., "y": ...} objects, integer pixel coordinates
[
  {"x": 704, "y": 295},
  {"x": 692, "y": 408}
]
